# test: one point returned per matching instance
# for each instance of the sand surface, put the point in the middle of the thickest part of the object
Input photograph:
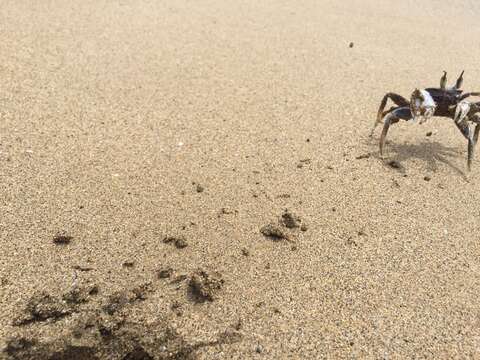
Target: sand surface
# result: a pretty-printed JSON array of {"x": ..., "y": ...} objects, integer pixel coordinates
[{"x": 126, "y": 122}]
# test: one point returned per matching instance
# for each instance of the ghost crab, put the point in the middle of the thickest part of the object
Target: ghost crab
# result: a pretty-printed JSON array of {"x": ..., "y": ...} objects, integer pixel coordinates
[{"x": 449, "y": 102}]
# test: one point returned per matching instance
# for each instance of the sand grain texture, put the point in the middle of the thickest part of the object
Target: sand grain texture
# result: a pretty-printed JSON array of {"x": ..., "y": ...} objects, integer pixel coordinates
[{"x": 124, "y": 122}]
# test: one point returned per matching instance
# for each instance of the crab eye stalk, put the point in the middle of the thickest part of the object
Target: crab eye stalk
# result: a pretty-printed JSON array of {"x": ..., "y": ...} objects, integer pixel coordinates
[
  {"x": 459, "y": 83},
  {"x": 443, "y": 81}
]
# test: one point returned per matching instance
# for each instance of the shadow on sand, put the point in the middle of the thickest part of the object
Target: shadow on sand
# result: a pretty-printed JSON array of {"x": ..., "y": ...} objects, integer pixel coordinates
[{"x": 431, "y": 152}]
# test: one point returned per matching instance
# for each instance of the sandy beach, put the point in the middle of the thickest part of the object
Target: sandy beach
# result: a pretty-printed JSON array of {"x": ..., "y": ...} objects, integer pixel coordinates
[{"x": 195, "y": 180}]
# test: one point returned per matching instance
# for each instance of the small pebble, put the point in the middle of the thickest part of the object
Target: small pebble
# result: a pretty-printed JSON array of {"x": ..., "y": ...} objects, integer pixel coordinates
[
  {"x": 394, "y": 164},
  {"x": 429, "y": 133},
  {"x": 274, "y": 232},
  {"x": 180, "y": 243},
  {"x": 350, "y": 45},
  {"x": 427, "y": 178},
  {"x": 363, "y": 156},
  {"x": 165, "y": 273},
  {"x": 62, "y": 239},
  {"x": 290, "y": 220},
  {"x": 200, "y": 188}
]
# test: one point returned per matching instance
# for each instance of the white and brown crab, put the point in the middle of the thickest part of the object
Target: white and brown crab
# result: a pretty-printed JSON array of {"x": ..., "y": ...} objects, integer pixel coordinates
[{"x": 449, "y": 102}]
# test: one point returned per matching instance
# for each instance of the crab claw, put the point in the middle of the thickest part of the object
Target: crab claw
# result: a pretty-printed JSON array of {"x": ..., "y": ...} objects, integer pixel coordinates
[{"x": 461, "y": 111}]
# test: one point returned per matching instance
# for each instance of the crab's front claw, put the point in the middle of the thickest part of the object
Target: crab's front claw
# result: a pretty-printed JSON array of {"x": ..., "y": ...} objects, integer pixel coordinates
[{"x": 461, "y": 111}]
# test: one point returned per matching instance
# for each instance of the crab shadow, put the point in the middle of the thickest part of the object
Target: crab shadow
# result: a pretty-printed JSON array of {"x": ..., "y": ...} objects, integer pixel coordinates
[{"x": 431, "y": 152}]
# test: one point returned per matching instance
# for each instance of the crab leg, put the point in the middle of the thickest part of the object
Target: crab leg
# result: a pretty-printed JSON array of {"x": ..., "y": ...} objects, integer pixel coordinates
[
  {"x": 475, "y": 134},
  {"x": 466, "y": 131},
  {"x": 386, "y": 126},
  {"x": 471, "y": 152},
  {"x": 466, "y": 95},
  {"x": 393, "y": 117},
  {"x": 397, "y": 99}
]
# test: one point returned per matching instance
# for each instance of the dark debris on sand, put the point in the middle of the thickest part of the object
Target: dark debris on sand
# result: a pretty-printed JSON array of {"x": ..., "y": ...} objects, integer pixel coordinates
[
  {"x": 165, "y": 273},
  {"x": 274, "y": 232},
  {"x": 394, "y": 164},
  {"x": 43, "y": 307},
  {"x": 363, "y": 156},
  {"x": 80, "y": 294},
  {"x": 290, "y": 220},
  {"x": 117, "y": 301},
  {"x": 178, "y": 242},
  {"x": 245, "y": 252},
  {"x": 62, "y": 238},
  {"x": 99, "y": 337},
  {"x": 108, "y": 333},
  {"x": 204, "y": 286}
]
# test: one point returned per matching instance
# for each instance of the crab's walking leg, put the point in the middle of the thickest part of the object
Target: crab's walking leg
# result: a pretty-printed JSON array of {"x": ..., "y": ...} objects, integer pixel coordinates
[
  {"x": 393, "y": 117},
  {"x": 386, "y": 126},
  {"x": 397, "y": 99},
  {"x": 472, "y": 138},
  {"x": 475, "y": 134},
  {"x": 466, "y": 95},
  {"x": 472, "y": 144},
  {"x": 389, "y": 120}
]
